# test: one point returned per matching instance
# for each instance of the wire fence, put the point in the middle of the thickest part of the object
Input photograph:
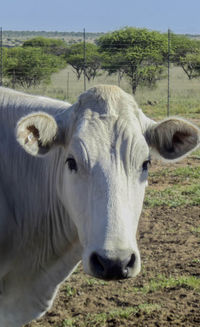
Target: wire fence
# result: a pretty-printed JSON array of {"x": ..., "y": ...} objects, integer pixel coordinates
[
  {"x": 66, "y": 86},
  {"x": 60, "y": 49}
]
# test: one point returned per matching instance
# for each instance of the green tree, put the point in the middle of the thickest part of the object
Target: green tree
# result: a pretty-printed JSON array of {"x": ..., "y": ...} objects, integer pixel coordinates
[
  {"x": 75, "y": 57},
  {"x": 186, "y": 54},
  {"x": 49, "y": 45},
  {"x": 29, "y": 66},
  {"x": 191, "y": 65},
  {"x": 138, "y": 54}
]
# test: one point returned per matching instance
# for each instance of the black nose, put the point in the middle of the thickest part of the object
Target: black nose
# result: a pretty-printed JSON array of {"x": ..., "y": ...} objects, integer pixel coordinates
[{"x": 111, "y": 269}]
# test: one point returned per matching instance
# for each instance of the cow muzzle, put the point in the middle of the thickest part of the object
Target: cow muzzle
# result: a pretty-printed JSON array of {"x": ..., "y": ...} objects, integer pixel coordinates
[{"x": 112, "y": 269}]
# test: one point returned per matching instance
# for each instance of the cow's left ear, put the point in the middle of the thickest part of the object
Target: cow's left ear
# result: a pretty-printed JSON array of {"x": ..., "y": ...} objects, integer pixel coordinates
[
  {"x": 173, "y": 138},
  {"x": 37, "y": 132}
]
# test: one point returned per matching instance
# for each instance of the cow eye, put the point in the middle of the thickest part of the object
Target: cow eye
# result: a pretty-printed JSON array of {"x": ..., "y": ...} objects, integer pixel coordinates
[
  {"x": 72, "y": 165},
  {"x": 146, "y": 164}
]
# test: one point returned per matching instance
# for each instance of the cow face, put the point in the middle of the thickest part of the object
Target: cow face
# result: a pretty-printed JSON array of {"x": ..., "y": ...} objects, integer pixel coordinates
[
  {"x": 106, "y": 165},
  {"x": 107, "y": 169}
]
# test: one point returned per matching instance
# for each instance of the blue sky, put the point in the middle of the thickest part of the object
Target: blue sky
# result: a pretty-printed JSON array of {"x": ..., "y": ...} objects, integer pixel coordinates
[{"x": 181, "y": 16}]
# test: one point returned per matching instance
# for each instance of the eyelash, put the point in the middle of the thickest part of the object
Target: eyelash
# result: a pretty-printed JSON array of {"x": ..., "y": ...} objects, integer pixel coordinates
[{"x": 145, "y": 165}]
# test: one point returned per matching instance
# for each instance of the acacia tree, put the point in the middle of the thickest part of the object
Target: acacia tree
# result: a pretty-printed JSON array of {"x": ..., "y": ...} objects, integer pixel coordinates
[
  {"x": 191, "y": 65},
  {"x": 52, "y": 46},
  {"x": 29, "y": 66},
  {"x": 92, "y": 64},
  {"x": 138, "y": 54},
  {"x": 186, "y": 54}
]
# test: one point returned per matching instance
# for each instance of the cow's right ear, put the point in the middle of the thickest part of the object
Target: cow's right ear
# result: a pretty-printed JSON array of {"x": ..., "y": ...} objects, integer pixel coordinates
[{"x": 37, "y": 132}]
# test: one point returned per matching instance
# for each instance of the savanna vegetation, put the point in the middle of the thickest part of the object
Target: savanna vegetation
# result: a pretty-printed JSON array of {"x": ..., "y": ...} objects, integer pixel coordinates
[
  {"x": 28, "y": 67},
  {"x": 138, "y": 55}
]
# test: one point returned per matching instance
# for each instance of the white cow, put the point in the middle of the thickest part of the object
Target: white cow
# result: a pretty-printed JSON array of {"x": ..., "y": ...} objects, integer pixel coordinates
[{"x": 76, "y": 192}]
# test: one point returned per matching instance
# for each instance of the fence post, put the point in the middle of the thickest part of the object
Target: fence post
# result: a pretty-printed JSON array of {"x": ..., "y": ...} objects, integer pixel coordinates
[
  {"x": 118, "y": 78},
  {"x": 84, "y": 64},
  {"x": 67, "y": 86},
  {"x": 168, "y": 86}
]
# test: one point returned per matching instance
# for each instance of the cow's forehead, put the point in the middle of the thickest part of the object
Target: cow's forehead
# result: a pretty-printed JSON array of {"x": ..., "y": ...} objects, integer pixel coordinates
[
  {"x": 106, "y": 100},
  {"x": 106, "y": 137},
  {"x": 109, "y": 109},
  {"x": 107, "y": 121}
]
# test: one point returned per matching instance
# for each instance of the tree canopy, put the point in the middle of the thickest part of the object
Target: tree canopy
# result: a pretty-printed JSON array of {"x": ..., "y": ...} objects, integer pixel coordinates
[
  {"x": 49, "y": 45},
  {"x": 75, "y": 57},
  {"x": 137, "y": 53},
  {"x": 186, "y": 54},
  {"x": 29, "y": 66}
]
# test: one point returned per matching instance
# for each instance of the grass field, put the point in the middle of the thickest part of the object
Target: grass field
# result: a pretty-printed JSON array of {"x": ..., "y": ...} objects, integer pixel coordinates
[{"x": 184, "y": 94}]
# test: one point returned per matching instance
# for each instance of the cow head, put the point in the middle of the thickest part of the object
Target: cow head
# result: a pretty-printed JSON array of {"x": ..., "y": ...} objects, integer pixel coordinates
[{"x": 107, "y": 153}]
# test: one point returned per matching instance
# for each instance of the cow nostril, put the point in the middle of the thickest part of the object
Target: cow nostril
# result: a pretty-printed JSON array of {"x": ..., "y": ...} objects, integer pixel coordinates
[
  {"x": 131, "y": 261},
  {"x": 96, "y": 263},
  {"x": 129, "y": 265},
  {"x": 107, "y": 268}
]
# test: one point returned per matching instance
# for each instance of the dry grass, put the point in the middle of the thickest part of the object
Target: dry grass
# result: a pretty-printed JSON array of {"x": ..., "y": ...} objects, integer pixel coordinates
[{"x": 184, "y": 94}]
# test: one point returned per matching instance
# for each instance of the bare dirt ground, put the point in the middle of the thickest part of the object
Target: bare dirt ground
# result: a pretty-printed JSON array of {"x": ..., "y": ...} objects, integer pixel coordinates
[{"x": 170, "y": 249}]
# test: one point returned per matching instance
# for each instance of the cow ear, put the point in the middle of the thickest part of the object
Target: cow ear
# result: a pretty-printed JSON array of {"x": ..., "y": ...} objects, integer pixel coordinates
[
  {"x": 173, "y": 138},
  {"x": 37, "y": 132}
]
